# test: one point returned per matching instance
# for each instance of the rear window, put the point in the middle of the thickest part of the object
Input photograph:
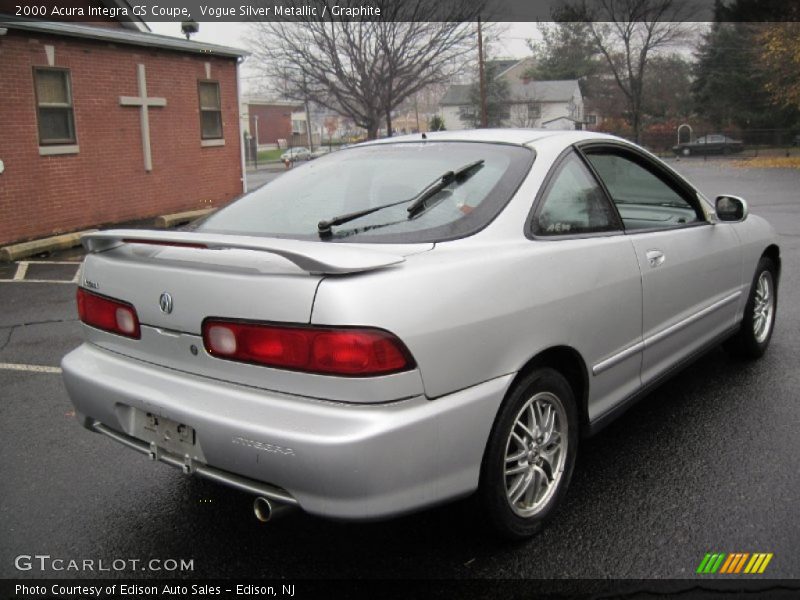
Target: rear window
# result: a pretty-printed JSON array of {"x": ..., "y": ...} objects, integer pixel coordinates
[{"x": 359, "y": 178}]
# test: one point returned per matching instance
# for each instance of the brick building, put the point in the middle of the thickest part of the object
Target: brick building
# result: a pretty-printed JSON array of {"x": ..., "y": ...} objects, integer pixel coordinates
[
  {"x": 272, "y": 120},
  {"x": 105, "y": 122}
]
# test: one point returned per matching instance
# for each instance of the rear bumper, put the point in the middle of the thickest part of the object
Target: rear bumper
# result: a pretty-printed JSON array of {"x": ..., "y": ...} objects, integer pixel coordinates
[
  {"x": 193, "y": 467},
  {"x": 334, "y": 459}
]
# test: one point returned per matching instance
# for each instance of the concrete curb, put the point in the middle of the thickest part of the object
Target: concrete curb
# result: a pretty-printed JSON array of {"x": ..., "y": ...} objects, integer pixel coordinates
[
  {"x": 50, "y": 244},
  {"x": 70, "y": 240},
  {"x": 167, "y": 221},
  {"x": 272, "y": 168}
]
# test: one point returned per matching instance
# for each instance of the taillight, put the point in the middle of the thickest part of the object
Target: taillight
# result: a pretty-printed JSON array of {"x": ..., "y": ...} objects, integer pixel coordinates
[
  {"x": 353, "y": 352},
  {"x": 108, "y": 314}
]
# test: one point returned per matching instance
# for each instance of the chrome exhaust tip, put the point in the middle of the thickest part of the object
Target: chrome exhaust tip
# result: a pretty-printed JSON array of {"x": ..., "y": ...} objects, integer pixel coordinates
[
  {"x": 265, "y": 510},
  {"x": 262, "y": 508}
]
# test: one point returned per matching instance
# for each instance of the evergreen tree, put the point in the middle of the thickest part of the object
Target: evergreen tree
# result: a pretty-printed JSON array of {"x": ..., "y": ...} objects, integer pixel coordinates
[
  {"x": 566, "y": 51},
  {"x": 436, "y": 123},
  {"x": 731, "y": 84},
  {"x": 497, "y": 99}
]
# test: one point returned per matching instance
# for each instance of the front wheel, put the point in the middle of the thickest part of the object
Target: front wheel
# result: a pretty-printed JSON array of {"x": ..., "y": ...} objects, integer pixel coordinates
[
  {"x": 530, "y": 455},
  {"x": 759, "y": 313}
]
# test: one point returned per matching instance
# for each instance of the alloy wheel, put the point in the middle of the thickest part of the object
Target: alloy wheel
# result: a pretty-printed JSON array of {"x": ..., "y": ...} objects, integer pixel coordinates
[
  {"x": 535, "y": 454},
  {"x": 763, "y": 307}
]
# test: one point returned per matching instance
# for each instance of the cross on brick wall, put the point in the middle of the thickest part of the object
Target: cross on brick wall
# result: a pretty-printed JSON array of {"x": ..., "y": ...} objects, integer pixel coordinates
[{"x": 144, "y": 103}]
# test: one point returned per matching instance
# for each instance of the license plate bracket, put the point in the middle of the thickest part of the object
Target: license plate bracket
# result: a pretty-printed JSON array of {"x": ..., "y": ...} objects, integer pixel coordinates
[{"x": 167, "y": 434}]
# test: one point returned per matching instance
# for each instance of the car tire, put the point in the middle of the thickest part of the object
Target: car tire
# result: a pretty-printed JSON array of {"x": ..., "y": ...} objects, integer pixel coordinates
[
  {"x": 758, "y": 322},
  {"x": 687, "y": 152},
  {"x": 530, "y": 455}
]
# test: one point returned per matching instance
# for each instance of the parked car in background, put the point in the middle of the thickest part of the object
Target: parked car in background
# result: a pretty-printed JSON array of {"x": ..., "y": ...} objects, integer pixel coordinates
[
  {"x": 296, "y": 154},
  {"x": 415, "y": 320},
  {"x": 322, "y": 151},
  {"x": 709, "y": 144}
]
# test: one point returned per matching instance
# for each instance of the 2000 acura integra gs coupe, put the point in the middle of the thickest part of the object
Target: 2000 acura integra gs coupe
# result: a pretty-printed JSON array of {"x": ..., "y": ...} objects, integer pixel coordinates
[{"x": 411, "y": 320}]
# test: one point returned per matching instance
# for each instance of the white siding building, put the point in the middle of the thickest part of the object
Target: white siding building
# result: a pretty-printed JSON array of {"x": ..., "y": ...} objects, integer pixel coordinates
[{"x": 536, "y": 104}]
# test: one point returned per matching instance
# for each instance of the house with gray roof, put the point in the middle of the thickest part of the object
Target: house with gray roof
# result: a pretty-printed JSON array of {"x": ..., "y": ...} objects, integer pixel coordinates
[{"x": 536, "y": 104}]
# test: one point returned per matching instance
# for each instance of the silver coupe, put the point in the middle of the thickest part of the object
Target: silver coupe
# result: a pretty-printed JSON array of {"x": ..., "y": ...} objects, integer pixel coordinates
[{"x": 417, "y": 319}]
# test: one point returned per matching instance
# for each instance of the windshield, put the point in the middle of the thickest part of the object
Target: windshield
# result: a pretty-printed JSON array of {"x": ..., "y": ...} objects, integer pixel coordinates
[{"x": 359, "y": 178}]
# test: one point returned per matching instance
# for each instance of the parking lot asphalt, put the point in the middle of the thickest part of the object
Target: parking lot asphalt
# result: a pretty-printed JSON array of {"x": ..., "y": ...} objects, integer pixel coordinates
[
  {"x": 706, "y": 463},
  {"x": 258, "y": 177}
]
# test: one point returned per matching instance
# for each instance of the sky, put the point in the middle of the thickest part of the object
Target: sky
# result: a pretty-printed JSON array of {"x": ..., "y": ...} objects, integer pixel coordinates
[{"x": 512, "y": 43}]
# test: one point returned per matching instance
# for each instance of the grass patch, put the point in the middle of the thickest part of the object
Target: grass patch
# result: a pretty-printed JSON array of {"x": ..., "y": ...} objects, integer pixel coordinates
[
  {"x": 770, "y": 162},
  {"x": 265, "y": 155}
]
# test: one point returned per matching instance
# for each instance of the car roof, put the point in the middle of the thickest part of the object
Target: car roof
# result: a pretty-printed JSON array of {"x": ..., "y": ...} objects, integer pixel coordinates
[{"x": 506, "y": 136}]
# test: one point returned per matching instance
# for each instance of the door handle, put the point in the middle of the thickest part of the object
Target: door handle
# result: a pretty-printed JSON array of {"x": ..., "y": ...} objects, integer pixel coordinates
[{"x": 655, "y": 258}]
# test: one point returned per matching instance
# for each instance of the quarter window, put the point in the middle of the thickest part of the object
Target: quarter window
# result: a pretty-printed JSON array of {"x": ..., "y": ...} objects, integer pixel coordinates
[
  {"x": 210, "y": 110},
  {"x": 574, "y": 203},
  {"x": 642, "y": 198},
  {"x": 54, "y": 106}
]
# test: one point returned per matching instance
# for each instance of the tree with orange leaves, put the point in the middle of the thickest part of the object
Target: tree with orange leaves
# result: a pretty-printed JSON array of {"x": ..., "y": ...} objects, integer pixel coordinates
[{"x": 780, "y": 58}]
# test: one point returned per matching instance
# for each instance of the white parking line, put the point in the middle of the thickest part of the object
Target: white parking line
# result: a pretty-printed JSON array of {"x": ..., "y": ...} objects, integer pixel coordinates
[
  {"x": 29, "y": 368},
  {"x": 71, "y": 281},
  {"x": 22, "y": 268},
  {"x": 22, "y": 271}
]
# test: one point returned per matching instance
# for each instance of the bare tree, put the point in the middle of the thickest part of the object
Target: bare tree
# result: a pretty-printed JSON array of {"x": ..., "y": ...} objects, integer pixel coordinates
[
  {"x": 628, "y": 33},
  {"x": 365, "y": 69}
]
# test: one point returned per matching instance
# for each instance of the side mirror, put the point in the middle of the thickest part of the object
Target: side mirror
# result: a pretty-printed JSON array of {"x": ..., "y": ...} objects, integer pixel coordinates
[{"x": 731, "y": 209}]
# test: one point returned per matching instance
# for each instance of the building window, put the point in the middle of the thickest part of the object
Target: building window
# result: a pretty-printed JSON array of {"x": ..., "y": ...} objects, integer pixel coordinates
[
  {"x": 591, "y": 119},
  {"x": 298, "y": 126},
  {"x": 467, "y": 111},
  {"x": 54, "y": 106},
  {"x": 210, "y": 110},
  {"x": 534, "y": 110}
]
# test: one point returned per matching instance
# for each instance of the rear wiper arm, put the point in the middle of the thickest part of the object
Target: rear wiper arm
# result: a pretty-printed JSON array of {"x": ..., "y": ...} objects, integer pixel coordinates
[
  {"x": 324, "y": 227},
  {"x": 418, "y": 200},
  {"x": 462, "y": 173}
]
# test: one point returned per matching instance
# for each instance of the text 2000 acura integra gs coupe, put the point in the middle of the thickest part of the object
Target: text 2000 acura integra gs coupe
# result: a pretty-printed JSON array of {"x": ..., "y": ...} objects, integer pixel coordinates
[{"x": 408, "y": 321}]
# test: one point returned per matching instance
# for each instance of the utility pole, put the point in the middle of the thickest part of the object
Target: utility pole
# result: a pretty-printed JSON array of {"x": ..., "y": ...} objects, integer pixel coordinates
[
  {"x": 482, "y": 75},
  {"x": 255, "y": 118},
  {"x": 308, "y": 115}
]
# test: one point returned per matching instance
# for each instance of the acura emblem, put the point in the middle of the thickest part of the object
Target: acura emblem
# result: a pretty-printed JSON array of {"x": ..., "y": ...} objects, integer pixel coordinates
[{"x": 165, "y": 302}]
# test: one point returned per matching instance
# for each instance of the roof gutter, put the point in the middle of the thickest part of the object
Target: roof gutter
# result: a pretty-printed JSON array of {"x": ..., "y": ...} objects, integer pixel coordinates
[{"x": 119, "y": 36}]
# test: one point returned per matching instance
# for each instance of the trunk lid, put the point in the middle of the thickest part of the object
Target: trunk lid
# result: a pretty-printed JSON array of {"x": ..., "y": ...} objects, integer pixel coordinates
[
  {"x": 222, "y": 275},
  {"x": 235, "y": 277}
]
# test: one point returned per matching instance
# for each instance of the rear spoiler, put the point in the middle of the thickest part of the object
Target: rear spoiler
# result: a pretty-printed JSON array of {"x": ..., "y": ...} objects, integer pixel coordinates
[{"x": 323, "y": 258}]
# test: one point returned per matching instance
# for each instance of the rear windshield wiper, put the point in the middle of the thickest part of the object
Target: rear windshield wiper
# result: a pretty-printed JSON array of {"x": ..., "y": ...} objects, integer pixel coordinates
[
  {"x": 419, "y": 203},
  {"x": 418, "y": 200}
]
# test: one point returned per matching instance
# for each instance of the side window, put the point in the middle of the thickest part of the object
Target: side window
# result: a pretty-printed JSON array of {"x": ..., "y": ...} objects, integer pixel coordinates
[
  {"x": 54, "y": 106},
  {"x": 210, "y": 110},
  {"x": 573, "y": 203},
  {"x": 643, "y": 200}
]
